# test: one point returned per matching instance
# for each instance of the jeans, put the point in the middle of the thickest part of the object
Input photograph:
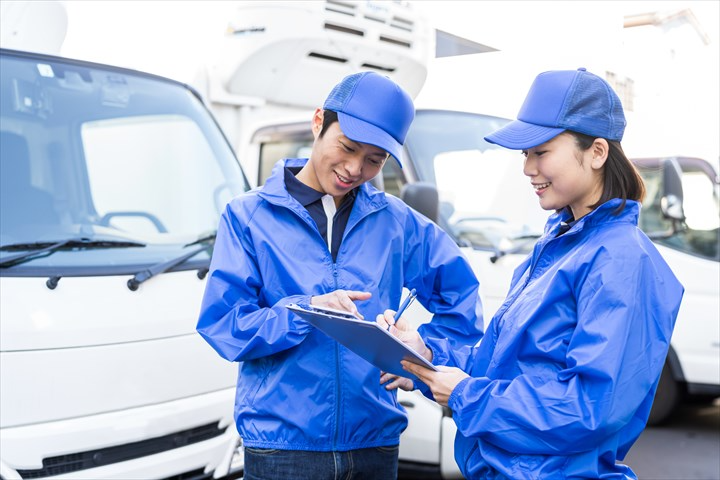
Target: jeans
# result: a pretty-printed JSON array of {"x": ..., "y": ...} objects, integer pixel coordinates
[{"x": 378, "y": 463}]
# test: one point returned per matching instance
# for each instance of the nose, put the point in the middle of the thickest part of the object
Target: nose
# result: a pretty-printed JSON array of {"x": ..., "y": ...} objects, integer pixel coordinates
[
  {"x": 353, "y": 165},
  {"x": 530, "y": 166}
]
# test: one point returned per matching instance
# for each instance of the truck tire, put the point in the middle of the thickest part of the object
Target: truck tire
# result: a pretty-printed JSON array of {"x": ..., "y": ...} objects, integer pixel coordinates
[{"x": 667, "y": 398}]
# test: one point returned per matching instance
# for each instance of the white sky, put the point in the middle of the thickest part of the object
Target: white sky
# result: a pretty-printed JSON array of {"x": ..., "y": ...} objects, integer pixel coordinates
[
  {"x": 169, "y": 36},
  {"x": 174, "y": 38}
]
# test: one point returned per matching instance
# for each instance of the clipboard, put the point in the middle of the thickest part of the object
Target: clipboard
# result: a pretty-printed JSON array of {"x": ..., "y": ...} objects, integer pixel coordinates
[{"x": 367, "y": 339}]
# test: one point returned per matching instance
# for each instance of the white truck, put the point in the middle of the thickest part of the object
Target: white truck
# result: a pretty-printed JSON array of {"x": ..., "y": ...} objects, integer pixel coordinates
[
  {"x": 280, "y": 61},
  {"x": 112, "y": 185}
]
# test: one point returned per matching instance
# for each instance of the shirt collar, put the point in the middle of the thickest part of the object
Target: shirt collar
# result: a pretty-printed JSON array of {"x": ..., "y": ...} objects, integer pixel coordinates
[{"x": 302, "y": 193}]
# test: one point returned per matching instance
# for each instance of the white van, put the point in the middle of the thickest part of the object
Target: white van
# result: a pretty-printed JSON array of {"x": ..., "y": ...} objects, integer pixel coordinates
[{"x": 112, "y": 184}]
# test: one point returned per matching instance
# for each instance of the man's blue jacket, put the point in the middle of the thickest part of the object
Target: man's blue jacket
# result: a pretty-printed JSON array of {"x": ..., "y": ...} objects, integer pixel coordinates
[
  {"x": 298, "y": 389},
  {"x": 562, "y": 383}
]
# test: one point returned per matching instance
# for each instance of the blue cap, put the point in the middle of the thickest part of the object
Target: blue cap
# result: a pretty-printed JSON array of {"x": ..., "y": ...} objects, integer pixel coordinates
[
  {"x": 372, "y": 109},
  {"x": 562, "y": 100}
]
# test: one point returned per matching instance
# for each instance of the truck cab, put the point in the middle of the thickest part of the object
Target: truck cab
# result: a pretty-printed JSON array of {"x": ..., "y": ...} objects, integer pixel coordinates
[{"x": 113, "y": 181}]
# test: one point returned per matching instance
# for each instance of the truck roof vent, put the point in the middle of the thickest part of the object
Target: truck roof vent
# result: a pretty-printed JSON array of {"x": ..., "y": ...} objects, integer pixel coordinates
[
  {"x": 374, "y": 19},
  {"x": 343, "y": 29},
  {"x": 331, "y": 58},
  {"x": 338, "y": 6},
  {"x": 395, "y": 41},
  {"x": 402, "y": 24},
  {"x": 378, "y": 67}
]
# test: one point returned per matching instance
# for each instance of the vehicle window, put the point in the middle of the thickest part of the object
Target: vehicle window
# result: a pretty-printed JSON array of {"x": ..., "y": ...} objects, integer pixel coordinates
[
  {"x": 393, "y": 179},
  {"x": 138, "y": 183},
  {"x": 101, "y": 153},
  {"x": 274, "y": 150},
  {"x": 485, "y": 200},
  {"x": 699, "y": 235}
]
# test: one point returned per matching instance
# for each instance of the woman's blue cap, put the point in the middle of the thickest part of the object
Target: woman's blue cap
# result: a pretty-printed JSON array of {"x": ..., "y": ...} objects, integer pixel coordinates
[
  {"x": 373, "y": 109},
  {"x": 562, "y": 100}
]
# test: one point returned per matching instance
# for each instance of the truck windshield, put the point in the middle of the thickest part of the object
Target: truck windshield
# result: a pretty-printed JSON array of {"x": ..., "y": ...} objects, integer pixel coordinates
[
  {"x": 95, "y": 152},
  {"x": 485, "y": 200}
]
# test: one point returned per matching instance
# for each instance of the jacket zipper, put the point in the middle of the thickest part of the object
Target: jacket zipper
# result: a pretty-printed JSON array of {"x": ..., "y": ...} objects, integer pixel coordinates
[{"x": 338, "y": 370}]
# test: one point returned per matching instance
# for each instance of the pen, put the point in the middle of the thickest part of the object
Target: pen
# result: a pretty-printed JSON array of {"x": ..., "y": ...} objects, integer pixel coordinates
[{"x": 411, "y": 296}]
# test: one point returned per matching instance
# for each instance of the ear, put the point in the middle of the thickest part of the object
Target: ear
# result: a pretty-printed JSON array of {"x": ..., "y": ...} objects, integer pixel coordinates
[
  {"x": 317, "y": 122},
  {"x": 599, "y": 151}
]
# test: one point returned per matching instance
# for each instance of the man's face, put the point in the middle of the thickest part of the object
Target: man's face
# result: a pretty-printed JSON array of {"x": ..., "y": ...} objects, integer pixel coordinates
[{"x": 340, "y": 164}]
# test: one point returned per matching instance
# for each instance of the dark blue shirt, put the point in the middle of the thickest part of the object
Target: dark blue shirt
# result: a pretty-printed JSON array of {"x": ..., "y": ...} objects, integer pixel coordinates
[{"x": 311, "y": 199}]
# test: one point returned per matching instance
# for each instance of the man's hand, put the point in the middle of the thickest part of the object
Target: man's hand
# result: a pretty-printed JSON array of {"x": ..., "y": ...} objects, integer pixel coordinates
[
  {"x": 393, "y": 382},
  {"x": 341, "y": 300},
  {"x": 441, "y": 383},
  {"x": 404, "y": 332}
]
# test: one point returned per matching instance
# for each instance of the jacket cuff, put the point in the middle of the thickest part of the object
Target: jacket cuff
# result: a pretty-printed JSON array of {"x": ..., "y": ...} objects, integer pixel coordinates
[
  {"x": 454, "y": 401},
  {"x": 439, "y": 355}
]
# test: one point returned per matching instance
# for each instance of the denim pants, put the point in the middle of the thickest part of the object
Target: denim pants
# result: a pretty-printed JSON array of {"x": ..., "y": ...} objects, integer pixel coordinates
[{"x": 378, "y": 463}]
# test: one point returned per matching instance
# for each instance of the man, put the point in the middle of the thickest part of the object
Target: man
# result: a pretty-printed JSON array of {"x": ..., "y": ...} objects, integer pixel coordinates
[{"x": 318, "y": 233}]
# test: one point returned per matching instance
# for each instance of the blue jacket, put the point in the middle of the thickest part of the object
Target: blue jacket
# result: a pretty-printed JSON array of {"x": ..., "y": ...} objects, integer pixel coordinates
[
  {"x": 297, "y": 388},
  {"x": 562, "y": 384}
]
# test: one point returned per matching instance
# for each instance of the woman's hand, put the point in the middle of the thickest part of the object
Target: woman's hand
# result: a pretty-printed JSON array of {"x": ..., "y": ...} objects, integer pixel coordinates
[
  {"x": 441, "y": 383},
  {"x": 341, "y": 300}
]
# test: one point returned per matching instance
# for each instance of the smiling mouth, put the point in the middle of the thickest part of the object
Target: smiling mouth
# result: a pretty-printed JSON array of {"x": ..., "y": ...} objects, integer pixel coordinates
[
  {"x": 343, "y": 179},
  {"x": 541, "y": 186}
]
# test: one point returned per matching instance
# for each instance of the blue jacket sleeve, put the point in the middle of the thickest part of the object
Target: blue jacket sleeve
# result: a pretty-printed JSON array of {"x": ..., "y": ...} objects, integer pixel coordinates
[
  {"x": 626, "y": 312},
  {"x": 446, "y": 286},
  {"x": 232, "y": 319}
]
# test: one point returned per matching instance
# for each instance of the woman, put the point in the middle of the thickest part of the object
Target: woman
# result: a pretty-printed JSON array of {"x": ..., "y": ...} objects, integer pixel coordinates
[{"x": 562, "y": 384}]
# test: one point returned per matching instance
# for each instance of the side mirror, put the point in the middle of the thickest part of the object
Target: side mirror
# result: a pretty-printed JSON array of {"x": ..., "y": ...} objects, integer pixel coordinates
[
  {"x": 423, "y": 197},
  {"x": 671, "y": 202}
]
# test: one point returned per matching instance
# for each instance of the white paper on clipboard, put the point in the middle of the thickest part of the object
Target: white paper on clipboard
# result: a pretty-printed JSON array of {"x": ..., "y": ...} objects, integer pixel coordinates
[{"x": 367, "y": 339}]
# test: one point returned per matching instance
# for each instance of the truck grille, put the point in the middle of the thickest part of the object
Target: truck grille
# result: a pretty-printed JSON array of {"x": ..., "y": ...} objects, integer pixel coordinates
[{"x": 74, "y": 462}]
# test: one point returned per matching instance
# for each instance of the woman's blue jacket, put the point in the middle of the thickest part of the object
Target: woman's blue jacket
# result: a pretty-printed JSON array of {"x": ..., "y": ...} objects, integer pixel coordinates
[
  {"x": 562, "y": 383},
  {"x": 297, "y": 388}
]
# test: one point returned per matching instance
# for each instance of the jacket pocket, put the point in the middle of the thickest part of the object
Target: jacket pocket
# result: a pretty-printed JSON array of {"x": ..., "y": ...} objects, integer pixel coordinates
[{"x": 252, "y": 376}]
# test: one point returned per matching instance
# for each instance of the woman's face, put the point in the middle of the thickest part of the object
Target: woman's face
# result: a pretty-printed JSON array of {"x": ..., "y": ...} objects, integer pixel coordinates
[{"x": 563, "y": 175}]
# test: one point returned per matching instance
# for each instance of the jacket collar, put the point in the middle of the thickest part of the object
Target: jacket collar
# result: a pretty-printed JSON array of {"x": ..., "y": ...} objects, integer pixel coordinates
[{"x": 603, "y": 214}]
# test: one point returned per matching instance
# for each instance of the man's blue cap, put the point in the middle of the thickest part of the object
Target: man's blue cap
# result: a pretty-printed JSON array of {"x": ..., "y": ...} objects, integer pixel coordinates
[
  {"x": 373, "y": 109},
  {"x": 562, "y": 100}
]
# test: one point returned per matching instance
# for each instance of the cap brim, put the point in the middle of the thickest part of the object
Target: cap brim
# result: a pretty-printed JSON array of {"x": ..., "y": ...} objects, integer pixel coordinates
[
  {"x": 363, "y": 132},
  {"x": 519, "y": 135}
]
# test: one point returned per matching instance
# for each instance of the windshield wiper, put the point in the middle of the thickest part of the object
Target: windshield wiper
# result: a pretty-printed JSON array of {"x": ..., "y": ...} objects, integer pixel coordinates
[
  {"x": 35, "y": 249},
  {"x": 210, "y": 237},
  {"x": 162, "y": 267}
]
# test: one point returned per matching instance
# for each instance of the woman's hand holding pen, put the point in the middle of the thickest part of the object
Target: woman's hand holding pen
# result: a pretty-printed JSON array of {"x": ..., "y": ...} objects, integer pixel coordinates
[{"x": 341, "y": 300}]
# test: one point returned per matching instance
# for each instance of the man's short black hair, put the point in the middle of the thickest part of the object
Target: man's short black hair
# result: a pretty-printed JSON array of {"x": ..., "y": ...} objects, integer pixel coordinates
[{"x": 329, "y": 117}]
